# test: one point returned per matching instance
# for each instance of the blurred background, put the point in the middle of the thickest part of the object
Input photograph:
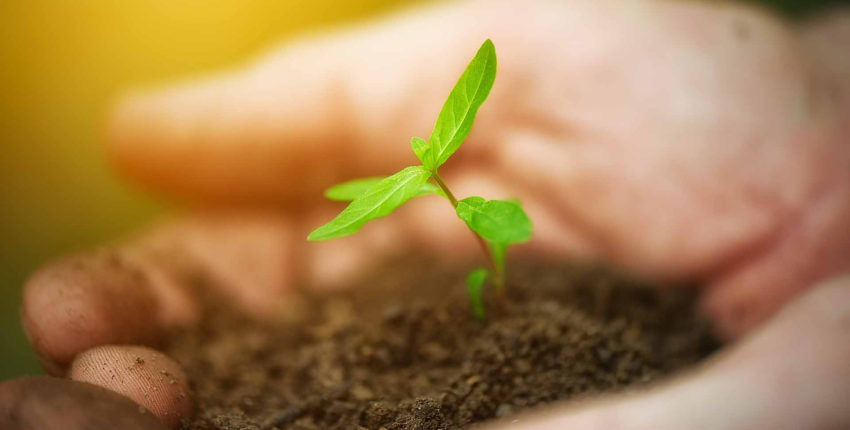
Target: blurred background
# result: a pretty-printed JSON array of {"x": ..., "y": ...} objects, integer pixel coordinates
[{"x": 61, "y": 64}]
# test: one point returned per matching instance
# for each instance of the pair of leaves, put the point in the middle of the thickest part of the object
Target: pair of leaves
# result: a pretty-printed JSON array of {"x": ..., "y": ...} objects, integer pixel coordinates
[
  {"x": 379, "y": 200},
  {"x": 501, "y": 223},
  {"x": 374, "y": 197},
  {"x": 458, "y": 113}
]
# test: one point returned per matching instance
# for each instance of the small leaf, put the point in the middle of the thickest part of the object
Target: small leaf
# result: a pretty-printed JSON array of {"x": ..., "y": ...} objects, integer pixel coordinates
[
  {"x": 423, "y": 152},
  {"x": 497, "y": 221},
  {"x": 348, "y": 191},
  {"x": 458, "y": 113},
  {"x": 474, "y": 283},
  {"x": 380, "y": 200}
]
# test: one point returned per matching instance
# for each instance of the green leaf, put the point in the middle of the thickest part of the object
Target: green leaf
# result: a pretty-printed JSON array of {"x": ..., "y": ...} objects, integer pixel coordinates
[
  {"x": 380, "y": 200},
  {"x": 474, "y": 283},
  {"x": 458, "y": 113},
  {"x": 423, "y": 152},
  {"x": 348, "y": 191},
  {"x": 497, "y": 221}
]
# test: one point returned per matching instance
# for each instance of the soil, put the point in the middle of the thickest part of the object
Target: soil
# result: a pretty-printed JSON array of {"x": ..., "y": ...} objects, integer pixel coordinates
[{"x": 404, "y": 352}]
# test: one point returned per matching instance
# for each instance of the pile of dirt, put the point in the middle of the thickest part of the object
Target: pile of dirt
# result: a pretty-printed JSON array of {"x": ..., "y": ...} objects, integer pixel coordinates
[{"x": 402, "y": 351}]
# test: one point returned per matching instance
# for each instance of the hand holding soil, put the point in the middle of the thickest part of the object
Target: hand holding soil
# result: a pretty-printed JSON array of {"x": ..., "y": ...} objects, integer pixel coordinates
[{"x": 683, "y": 142}]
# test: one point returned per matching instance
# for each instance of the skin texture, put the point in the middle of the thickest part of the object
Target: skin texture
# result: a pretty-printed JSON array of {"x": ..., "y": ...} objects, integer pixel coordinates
[
  {"x": 147, "y": 377},
  {"x": 683, "y": 141}
]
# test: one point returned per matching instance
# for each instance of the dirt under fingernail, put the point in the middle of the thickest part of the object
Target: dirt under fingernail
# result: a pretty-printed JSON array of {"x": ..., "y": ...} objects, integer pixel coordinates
[{"x": 401, "y": 349}]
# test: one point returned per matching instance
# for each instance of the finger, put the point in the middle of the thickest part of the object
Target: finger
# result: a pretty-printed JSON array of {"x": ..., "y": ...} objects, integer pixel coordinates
[
  {"x": 43, "y": 403},
  {"x": 149, "y": 378},
  {"x": 792, "y": 374},
  {"x": 312, "y": 113},
  {"x": 249, "y": 257},
  {"x": 127, "y": 294},
  {"x": 84, "y": 301},
  {"x": 627, "y": 208}
]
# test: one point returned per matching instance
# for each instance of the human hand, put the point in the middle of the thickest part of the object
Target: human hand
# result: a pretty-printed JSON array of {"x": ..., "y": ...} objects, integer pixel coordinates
[{"x": 620, "y": 125}]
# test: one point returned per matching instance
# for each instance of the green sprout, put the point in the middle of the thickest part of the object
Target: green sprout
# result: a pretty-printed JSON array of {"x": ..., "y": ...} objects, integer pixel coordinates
[{"x": 496, "y": 224}]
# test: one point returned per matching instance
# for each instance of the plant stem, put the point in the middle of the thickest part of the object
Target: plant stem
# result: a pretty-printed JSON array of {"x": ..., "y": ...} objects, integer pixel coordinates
[
  {"x": 445, "y": 189},
  {"x": 498, "y": 276}
]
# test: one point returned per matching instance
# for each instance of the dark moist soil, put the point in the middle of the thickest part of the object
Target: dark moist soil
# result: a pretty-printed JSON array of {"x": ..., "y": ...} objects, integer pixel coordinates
[{"x": 405, "y": 353}]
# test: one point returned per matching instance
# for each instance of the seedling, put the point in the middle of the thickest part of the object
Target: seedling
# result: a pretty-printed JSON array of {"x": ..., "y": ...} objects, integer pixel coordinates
[{"x": 496, "y": 224}]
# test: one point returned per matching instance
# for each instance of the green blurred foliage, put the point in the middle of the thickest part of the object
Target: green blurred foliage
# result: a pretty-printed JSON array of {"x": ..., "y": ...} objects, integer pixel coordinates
[{"x": 62, "y": 62}]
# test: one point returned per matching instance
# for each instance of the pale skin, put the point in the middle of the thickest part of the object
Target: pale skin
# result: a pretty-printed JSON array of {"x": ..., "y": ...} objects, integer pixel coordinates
[{"x": 683, "y": 141}]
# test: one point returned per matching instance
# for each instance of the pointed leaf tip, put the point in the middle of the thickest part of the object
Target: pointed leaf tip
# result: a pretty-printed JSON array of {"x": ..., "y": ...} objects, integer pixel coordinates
[{"x": 458, "y": 113}]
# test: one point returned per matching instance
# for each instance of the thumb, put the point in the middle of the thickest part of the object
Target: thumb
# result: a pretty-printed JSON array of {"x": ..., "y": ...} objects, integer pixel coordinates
[{"x": 307, "y": 114}]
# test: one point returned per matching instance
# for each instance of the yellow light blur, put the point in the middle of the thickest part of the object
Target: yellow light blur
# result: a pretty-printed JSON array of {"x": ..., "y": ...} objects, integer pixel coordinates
[{"x": 61, "y": 62}]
